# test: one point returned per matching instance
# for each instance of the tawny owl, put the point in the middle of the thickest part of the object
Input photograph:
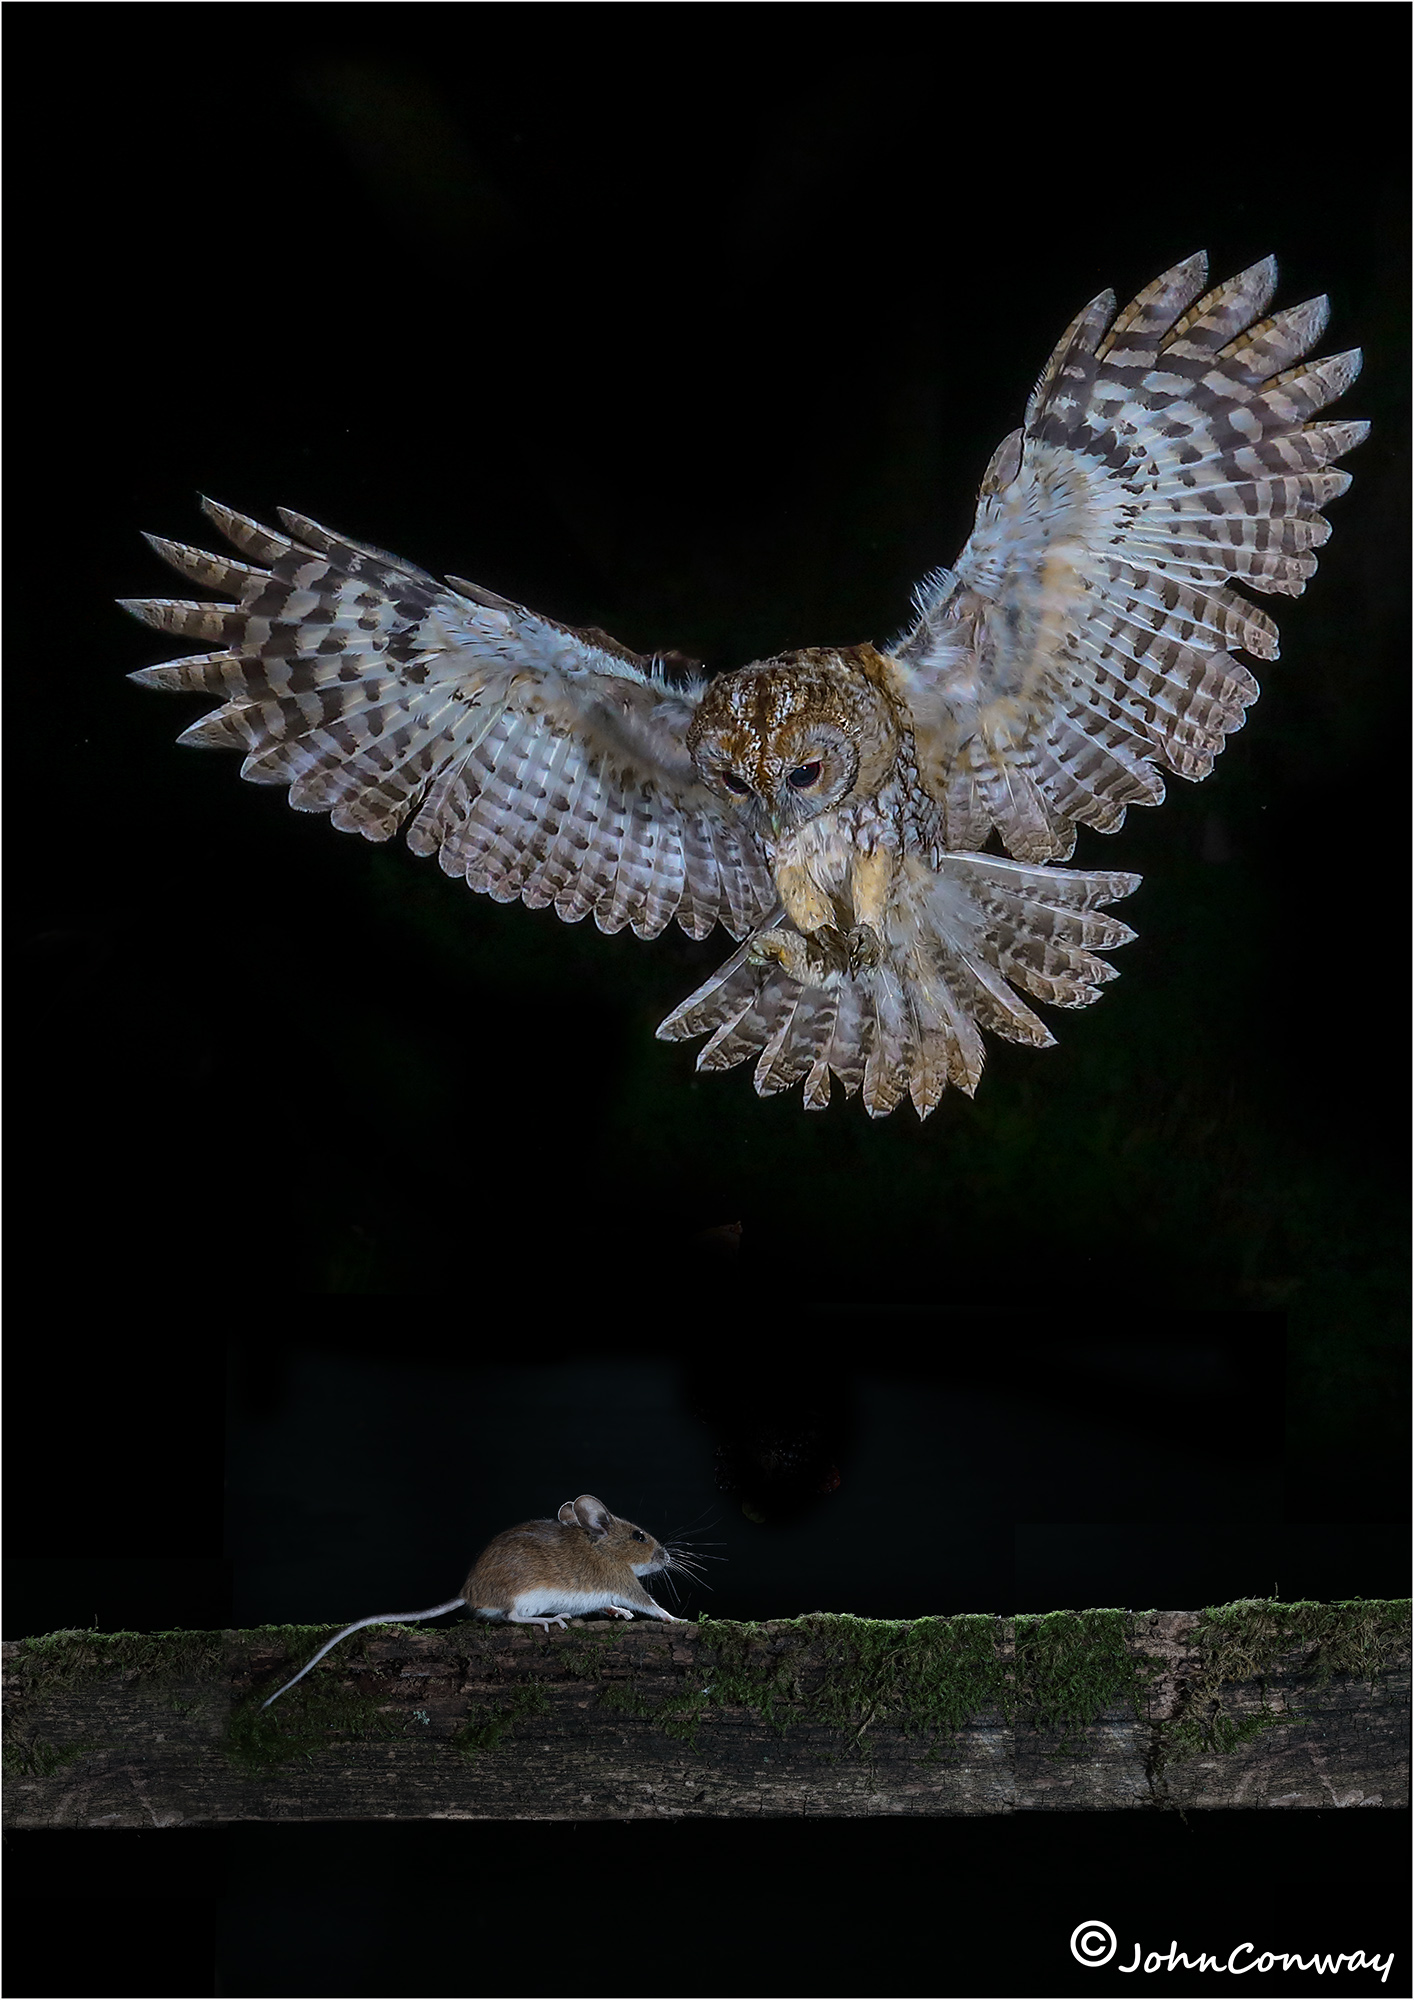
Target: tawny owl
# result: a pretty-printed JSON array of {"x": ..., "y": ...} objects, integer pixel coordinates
[{"x": 829, "y": 808}]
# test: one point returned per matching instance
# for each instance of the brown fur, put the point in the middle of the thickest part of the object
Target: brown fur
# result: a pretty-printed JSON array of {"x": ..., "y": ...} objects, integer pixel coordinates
[{"x": 587, "y": 1549}]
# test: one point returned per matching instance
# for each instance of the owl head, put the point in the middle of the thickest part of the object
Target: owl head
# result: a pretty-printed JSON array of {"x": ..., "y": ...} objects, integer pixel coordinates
[{"x": 788, "y": 738}]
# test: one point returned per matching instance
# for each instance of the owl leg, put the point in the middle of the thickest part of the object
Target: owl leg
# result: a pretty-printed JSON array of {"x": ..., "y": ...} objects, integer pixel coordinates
[{"x": 871, "y": 890}]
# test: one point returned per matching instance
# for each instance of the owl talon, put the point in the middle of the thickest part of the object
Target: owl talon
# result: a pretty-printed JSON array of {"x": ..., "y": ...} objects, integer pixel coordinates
[
  {"x": 864, "y": 947},
  {"x": 771, "y": 948},
  {"x": 811, "y": 959}
]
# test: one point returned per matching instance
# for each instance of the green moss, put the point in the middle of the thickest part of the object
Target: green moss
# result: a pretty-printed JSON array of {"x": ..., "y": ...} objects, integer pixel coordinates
[
  {"x": 310, "y": 1719},
  {"x": 485, "y": 1728},
  {"x": 1244, "y": 1642},
  {"x": 1055, "y": 1672},
  {"x": 627, "y": 1701},
  {"x": 928, "y": 1676},
  {"x": 1356, "y": 1636},
  {"x": 1073, "y": 1665},
  {"x": 62, "y": 1660},
  {"x": 748, "y": 1668},
  {"x": 42, "y": 1760},
  {"x": 585, "y": 1657},
  {"x": 684, "y": 1718}
]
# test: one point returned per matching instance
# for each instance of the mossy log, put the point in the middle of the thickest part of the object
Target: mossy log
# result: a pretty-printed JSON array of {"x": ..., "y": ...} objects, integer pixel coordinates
[{"x": 1251, "y": 1704}]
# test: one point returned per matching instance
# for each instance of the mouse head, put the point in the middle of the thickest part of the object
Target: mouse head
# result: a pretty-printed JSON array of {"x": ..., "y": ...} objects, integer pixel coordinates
[{"x": 620, "y": 1540}]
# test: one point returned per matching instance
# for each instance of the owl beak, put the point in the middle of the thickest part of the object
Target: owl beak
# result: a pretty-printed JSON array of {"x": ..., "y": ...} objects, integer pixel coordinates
[{"x": 775, "y": 820}]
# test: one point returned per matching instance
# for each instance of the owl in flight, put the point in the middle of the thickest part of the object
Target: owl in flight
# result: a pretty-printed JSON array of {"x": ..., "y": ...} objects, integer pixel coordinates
[{"x": 830, "y": 808}]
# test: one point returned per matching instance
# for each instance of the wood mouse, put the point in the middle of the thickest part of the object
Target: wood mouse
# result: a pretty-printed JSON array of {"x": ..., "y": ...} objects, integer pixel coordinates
[{"x": 543, "y": 1572}]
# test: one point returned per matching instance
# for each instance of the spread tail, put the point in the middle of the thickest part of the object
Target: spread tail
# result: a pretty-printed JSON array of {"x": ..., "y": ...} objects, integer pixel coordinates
[{"x": 960, "y": 941}]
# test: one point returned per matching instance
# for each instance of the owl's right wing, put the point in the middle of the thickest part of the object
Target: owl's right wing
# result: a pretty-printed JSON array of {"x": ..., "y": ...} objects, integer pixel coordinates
[
  {"x": 1086, "y": 634},
  {"x": 537, "y": 761}
]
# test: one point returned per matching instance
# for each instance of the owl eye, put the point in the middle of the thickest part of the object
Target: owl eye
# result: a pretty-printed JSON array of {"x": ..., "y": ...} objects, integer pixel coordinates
[
  {"x": 735, "y": 784},
  {"x": 803, "y": 775}
]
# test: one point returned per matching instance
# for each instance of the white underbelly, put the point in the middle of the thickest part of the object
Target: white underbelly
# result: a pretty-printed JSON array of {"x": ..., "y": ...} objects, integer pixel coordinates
[{"x": 546, "y": 1603}]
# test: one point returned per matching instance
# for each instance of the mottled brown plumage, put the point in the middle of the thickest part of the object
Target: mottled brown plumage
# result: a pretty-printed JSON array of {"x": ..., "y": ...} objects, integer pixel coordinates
[{"x": 828, "y": 808}]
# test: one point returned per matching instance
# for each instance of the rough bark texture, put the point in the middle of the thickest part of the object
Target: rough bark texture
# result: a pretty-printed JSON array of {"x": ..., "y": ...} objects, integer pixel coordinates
[{"x": 637, "y": 1721}]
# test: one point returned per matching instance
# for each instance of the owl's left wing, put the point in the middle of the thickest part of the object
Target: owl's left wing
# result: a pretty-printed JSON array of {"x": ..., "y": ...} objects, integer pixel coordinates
[
  {"x": 534, "y": 760},
  {"x": 1086, "y": 634}
]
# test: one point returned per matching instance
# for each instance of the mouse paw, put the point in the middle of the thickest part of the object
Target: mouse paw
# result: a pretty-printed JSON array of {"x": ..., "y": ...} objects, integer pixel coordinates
[{"x": 618, "y": 1611}]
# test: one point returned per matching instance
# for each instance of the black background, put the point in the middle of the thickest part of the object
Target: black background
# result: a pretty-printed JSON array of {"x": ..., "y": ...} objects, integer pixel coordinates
[{"x": 699, "y": 324}]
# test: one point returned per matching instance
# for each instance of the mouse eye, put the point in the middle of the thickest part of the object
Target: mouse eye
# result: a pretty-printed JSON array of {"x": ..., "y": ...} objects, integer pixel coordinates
[
  {"x": 803, "y": 775},
  {"x": 735, "y": 784},
  {"x": 639, "y": 1536}
]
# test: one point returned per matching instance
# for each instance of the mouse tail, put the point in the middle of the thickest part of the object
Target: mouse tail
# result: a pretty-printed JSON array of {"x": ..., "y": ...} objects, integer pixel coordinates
[{"x": 381, "y": 1618}]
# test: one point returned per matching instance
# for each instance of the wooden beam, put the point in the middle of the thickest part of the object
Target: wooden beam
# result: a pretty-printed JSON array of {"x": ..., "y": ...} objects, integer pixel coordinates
[{"x": 1254, "y": 1704}]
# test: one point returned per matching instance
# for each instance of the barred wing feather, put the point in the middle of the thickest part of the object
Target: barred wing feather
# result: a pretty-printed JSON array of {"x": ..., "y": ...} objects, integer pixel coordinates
[
  {"x": 1085, "y": 637},
  {"x": 534, "y": 760}
]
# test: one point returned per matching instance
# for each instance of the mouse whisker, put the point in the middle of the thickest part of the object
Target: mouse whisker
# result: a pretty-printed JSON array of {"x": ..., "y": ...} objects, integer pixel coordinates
[
  {"x": 691, "y": 1549},
  {"x": 671, "y": 1582},
  {"x": 691, "y": 1564},
  {"x": 687, "y": 1530}
]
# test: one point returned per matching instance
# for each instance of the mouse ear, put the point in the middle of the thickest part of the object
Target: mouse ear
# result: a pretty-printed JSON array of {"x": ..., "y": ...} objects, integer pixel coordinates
[
  {"x": 568, "y": 1515},
  {"x": 593, "y": 1515}
]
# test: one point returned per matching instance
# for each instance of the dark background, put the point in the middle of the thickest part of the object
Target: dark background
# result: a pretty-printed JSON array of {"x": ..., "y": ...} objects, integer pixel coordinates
[{"x": 699, "y": 324}]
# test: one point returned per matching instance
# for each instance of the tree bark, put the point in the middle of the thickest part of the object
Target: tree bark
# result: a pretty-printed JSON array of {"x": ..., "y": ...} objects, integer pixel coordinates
[{"x": 608, "y": 1721}]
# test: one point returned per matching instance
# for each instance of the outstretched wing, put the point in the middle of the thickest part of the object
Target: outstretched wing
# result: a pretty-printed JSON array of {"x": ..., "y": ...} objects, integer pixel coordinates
[
  {"x": 1086, "y": 635},
  {"x": 535, "y": 761}
]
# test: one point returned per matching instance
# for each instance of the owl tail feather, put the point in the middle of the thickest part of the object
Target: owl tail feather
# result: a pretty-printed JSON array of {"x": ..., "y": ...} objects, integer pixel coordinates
[{"x": 960, "y": 941}]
